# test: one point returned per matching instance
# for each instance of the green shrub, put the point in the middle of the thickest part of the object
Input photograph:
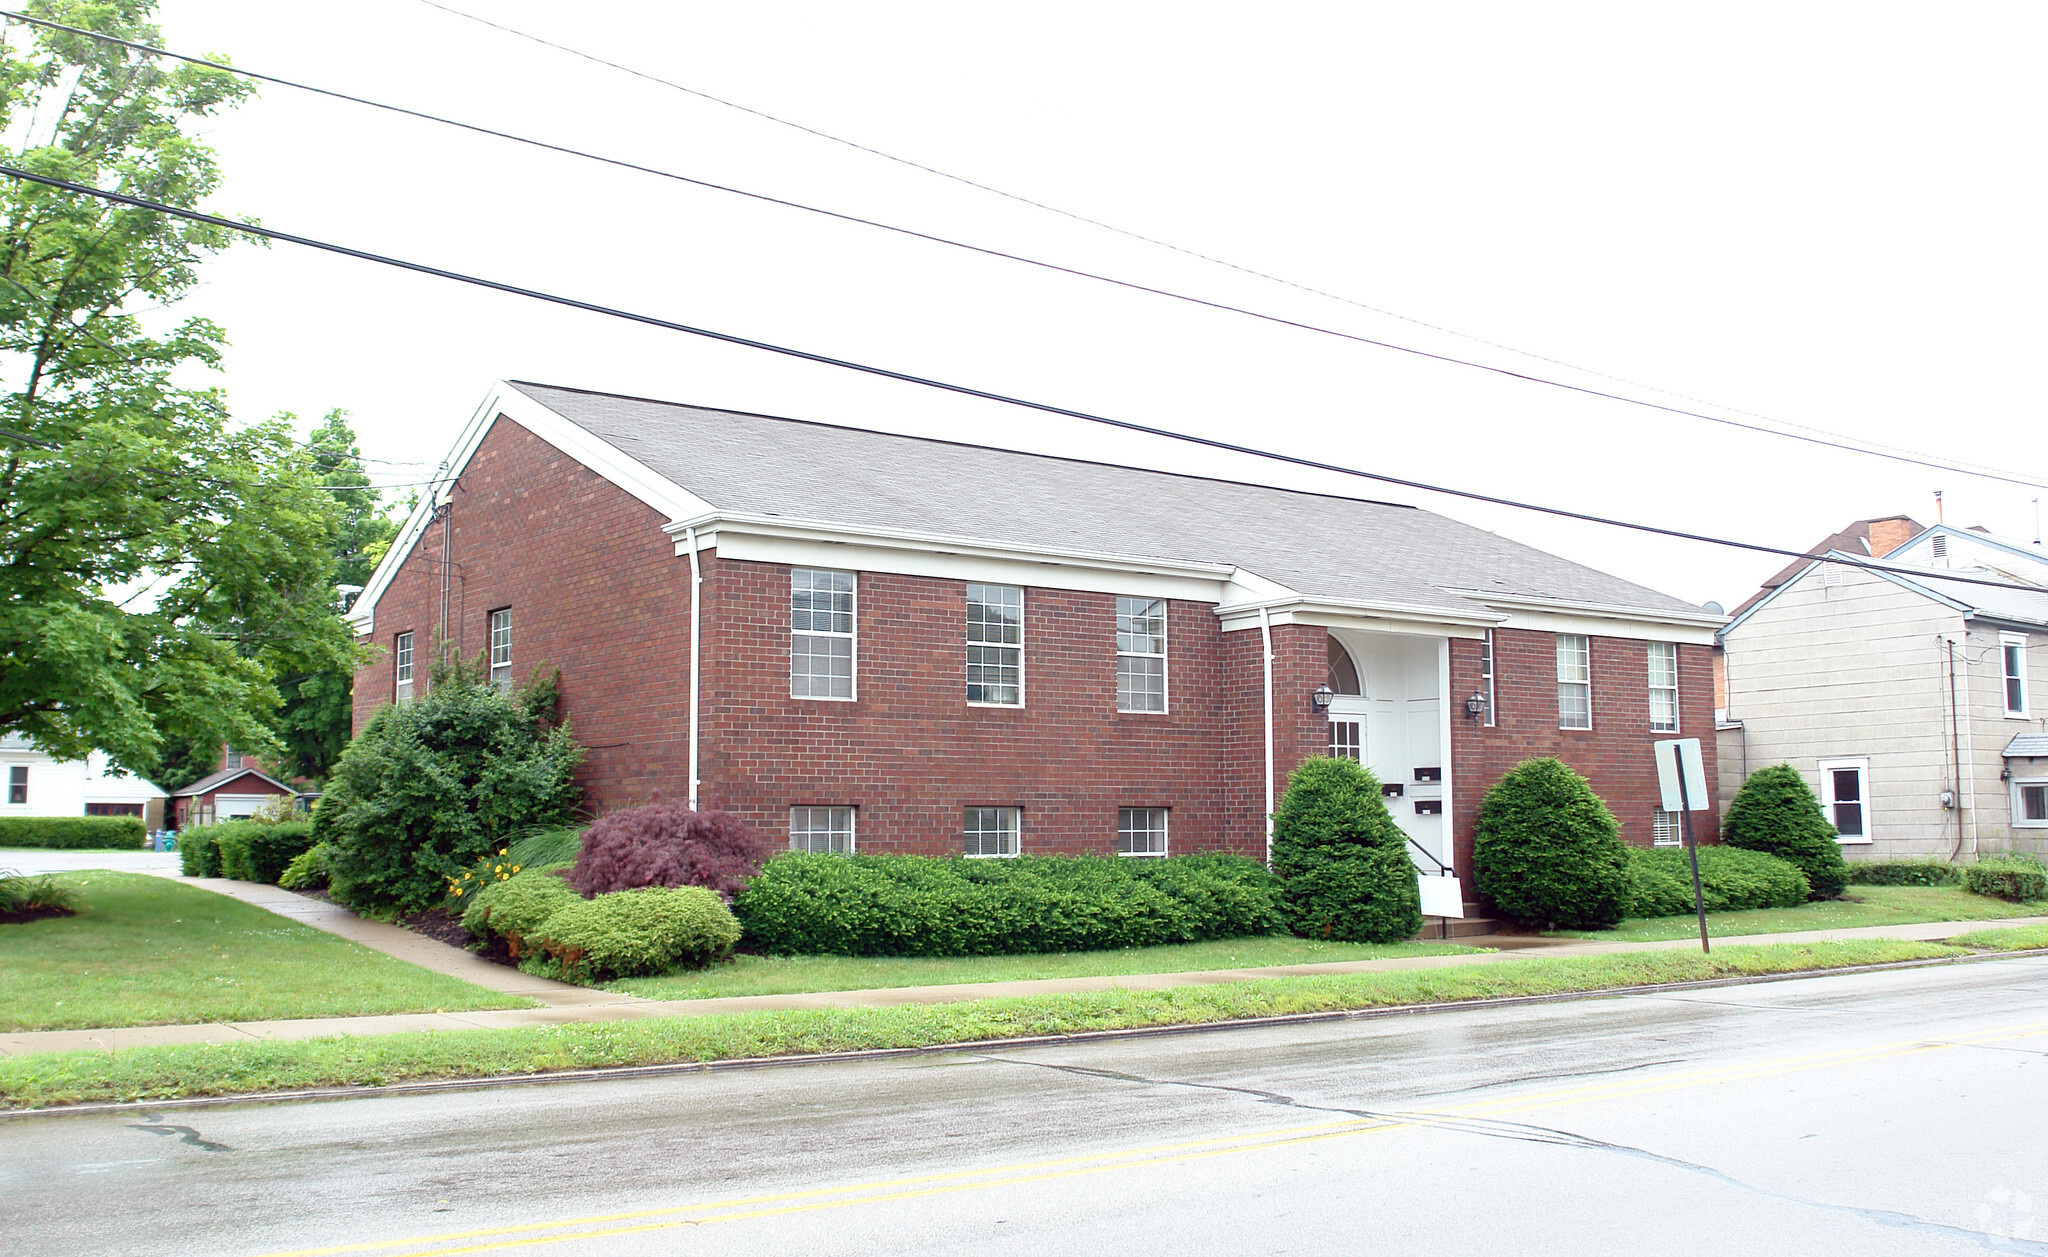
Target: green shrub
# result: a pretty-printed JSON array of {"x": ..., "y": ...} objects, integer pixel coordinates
[
  {"x": 308, "y": 869},
  {"x": 2018, "y": 880},
  {"x": 1904, "y": 873},
  {"x": 1775, "y": 813},
  {"x": 514, "y": 908},
  {"x": 19, "y": 893},
  {"x": 197, "y": 856},
  {"x": 246, "y": 851},
  {"x": 73, "y": 833},
  {"x": 1342, "y": 861},
  {"x": 1548, "y": 852},
  {"x": 1731, "y": 880},
  {"x": 900, "y": 905},
  {"x": 431, "y": 786},
  {"x": 630, "y": 933},
  {"x": 547, "y": 846}
]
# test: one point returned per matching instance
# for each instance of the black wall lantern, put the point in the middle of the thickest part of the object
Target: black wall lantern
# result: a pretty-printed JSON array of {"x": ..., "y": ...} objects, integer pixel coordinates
[
  {"x": 1475, "y": 706},
  {"x": 1321, "y": 698}
]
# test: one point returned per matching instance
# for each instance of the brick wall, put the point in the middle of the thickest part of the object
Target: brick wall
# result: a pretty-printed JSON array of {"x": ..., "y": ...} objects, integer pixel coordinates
[{"x": 1614, "y": 755}]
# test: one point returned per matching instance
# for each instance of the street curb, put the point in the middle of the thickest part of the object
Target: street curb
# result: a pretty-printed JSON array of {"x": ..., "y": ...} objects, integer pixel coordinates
[{"x": 616, "y": 1072}]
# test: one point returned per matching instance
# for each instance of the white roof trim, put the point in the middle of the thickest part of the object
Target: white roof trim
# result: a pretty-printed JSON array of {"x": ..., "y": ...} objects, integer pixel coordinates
[
  {"x": 1864, "y": 563},
  {"x": 1594, "y": 610},
  {"x": 711, "y": 523},
  {"x": 1236, "y": 614},
  {"x": 600, "y": 456}
]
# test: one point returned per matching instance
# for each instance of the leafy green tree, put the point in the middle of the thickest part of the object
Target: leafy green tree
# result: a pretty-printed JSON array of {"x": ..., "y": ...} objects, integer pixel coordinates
[
  {"x": 1775, "y": 813},
  {"x": 1342, "y": 861},
  {"x": 431, "y": 786},
  {"x": 319, "y": 706},
  {"x": 1548, "y": 852},
  {"x": 159, "y": 566}
]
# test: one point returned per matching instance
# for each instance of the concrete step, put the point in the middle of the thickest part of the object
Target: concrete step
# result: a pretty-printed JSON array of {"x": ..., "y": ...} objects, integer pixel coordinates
[{"x": 1471, "y": 925}]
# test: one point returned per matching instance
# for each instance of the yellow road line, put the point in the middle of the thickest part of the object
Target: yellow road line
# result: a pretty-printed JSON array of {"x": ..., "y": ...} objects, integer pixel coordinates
[{"x": 906, "y": 1188}]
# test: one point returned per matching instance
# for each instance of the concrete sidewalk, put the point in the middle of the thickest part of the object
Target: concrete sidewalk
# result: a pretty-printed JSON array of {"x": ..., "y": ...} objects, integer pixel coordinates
[{"x": 565, "y": 1004}]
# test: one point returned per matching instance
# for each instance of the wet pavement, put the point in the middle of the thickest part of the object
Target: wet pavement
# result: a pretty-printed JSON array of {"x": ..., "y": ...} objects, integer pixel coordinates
[{"x": 1896, "y": 1112}]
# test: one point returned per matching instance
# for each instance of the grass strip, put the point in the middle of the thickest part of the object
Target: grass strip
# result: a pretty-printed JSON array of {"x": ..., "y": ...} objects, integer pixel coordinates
[
  {"x": 1862, "y": 906},
  {"x": 148, "y": 951},
  {"x": 2018, "y": 938},
  {"x": 790, "y": 975},
  {"x": 155, "y": 1073}
]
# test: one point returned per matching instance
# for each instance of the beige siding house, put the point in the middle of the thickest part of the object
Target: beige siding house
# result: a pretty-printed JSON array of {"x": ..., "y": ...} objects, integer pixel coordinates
[{"x": 1908, "y": 690}]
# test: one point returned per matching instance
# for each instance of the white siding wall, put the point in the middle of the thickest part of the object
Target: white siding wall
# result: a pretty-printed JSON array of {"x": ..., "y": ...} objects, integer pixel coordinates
[
  {"x": 55, "y": 787},
  {"x": 1849, "y": 671}
]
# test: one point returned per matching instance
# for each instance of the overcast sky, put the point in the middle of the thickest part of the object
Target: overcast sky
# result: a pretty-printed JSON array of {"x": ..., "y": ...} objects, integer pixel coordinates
[{"x": 1771, "y": 207}]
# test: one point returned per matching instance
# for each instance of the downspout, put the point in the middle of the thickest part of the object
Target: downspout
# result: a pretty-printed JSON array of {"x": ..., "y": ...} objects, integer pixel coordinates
[
  {"x": 1266, "y": 648},
  {"x": 696, "y": 599},
  {"x": 1969, "y": 754},
  {"x": 1955, "y": 727}
]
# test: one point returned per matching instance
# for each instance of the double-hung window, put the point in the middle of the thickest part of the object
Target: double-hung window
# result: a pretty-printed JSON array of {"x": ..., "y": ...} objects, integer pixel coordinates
[
  {"x": 995, "y": 645},
  {"x": 501, "y": 648},
  {"x": 17, "y": 783},
  {"x": 1486, "y": 677},
  {"x": 821, "y": 633},
  {"x": 1141, "y": 831},
  {"x": 821, "y": 830},
  {"x": 2030, "y": 804},
  {"x": 1141, "y": 654},
  {"x": 401, "y": 667},
  {"x": 1665, "y": 829},
  {"x": 2012, "y": 654},
  {"x": 1663, "y": 687},
  {"x": 992, "y": 831},
  {"x": 1574, "y": 681},
  {"x": 1845, "y": 797}
]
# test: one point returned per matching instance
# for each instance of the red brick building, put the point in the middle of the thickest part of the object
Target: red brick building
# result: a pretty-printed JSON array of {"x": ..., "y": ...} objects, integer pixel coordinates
[{"x": 905, "y": 645}]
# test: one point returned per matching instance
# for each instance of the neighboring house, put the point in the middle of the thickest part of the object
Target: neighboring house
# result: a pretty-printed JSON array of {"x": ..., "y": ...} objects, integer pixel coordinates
[
  {"x": 909, "y": 645},
  {"x": 1910, "y": 693},
  {"x": 236, "y": 789},
  {"x": 37, "y": 785}
]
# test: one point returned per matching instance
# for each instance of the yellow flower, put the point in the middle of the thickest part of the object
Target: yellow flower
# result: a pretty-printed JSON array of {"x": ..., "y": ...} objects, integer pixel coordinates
[
  {"x": 515, "y": 868},
  {"x": 458, "y": 891},
  {"x": 503, "y": 850}
]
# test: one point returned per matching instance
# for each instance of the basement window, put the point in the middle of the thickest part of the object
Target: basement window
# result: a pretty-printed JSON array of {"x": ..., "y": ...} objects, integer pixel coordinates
[
  {"x": 992, "y": 832},
  {"x": 1141, "y": 831},
  {"x": 821, "y": 830},
  {"x": 2030, "y": 804}
]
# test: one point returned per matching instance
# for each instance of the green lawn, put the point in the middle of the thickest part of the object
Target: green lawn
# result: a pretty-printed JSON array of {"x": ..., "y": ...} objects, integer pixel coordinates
[
  {"x": 790, "y": 975},
  {"x": 245, "y": 1068},
  {"x": 1864, "y": 905},
  {"x": 148, "y": 951},
  {"x": 2014, "y": 938}
]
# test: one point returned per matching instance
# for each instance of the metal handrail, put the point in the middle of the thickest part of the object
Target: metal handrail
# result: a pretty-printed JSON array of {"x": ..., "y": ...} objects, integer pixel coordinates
[{"x": 1441, "y": 867}]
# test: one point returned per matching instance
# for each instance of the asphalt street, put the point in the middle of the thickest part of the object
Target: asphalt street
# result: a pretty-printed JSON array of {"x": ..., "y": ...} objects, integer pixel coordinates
[{"x": 1890, "y": 1113}]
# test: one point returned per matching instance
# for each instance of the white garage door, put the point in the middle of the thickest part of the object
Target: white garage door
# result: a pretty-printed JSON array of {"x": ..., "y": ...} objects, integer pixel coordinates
[{"x": 229, "y": 807}]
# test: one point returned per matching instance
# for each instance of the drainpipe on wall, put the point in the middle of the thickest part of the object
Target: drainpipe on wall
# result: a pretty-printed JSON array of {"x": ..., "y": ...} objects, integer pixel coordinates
[
  {"x": 696, "y": 599},
  {"x": 1266, "y": 648},
  {"x": 1955, "y": 727}
]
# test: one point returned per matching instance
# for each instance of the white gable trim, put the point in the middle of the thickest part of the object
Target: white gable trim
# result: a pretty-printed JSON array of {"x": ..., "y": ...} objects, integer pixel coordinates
[
  {"x": 1376, "y": 617},
  {"x": 1856, "y": 561},
  {"x": 506, "y": 401}
]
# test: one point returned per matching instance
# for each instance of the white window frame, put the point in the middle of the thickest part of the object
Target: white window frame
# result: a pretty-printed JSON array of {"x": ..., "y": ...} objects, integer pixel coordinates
[
  {"x": 1124, "y": 612},
  {"x": 1827, "y": 769},
  {"x": 1347, "y": 738},
  {"x": 966, "y": 605},
  {"x": 1127, "y": 831},
  {"x": 1582, "y": 682},
  {"x": 1667, "y": 829},
  {"x": 839, "y": 820},
  {"x": 401, "y": 667},
  {"x": 1650, "y": 655},
  {"x": 2012, "y": 666},
  {"x": 17, "y": 778},
  {"x": 2019, "y": 785},
  {"x": 501, "y": 647},
  {"x": 1488, "y": 666},
  {"x": 1010, "y": 829},
  {"x": 851, "y": 636}
]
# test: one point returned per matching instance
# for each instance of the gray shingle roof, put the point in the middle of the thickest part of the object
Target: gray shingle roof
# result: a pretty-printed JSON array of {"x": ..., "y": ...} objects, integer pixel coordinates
[
  {"x": 2016, "y": 604},
  {"x": 2027, "y": 746},
  {"x": 1317, "y": 544}
]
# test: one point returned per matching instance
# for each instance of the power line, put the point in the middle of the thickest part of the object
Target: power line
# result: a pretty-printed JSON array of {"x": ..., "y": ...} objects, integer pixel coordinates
[
  {"x": 964, "y": 390},
  {"x": 1876, "y": 449},
  {"x": 1868, "y": 449}
]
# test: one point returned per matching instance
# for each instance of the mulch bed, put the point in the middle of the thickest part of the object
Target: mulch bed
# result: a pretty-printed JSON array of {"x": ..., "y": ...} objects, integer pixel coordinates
[
  {"x": 32, "y": 914},
  {"x": 446, "y": 927}
]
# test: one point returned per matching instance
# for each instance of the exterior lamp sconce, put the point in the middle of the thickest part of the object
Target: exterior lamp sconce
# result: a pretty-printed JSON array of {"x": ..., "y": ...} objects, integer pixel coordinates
[
  {"x": 1475, "y": 706},
  {"x": 1320, "y": 700}
]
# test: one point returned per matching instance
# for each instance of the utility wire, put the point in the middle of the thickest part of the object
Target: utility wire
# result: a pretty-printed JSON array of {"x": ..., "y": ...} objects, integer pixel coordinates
[
  {"x": 1868, "y": 449},
  {"x": 1865, "y": 447},
  {"x": 649, "y": 320}
]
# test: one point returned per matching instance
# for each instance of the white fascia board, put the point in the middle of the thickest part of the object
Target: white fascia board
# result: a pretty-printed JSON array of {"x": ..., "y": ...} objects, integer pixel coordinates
[
  {"x": 600, "y": 456},
  {"x": 1641, "y": 616},
  {"x": 1368, "y": 616},
  {"x": 1968, "y": 537},
  {"x": 869, "y": 548}
]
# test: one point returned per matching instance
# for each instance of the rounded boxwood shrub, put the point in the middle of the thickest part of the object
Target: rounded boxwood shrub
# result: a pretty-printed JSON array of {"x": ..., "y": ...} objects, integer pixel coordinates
[
  {"x": 633, "y": 932},
  {"x": 1907, "y": 872},
  {"x": 1342, "y": 861},
  {"x": 1548, "y": 852},
  {"x": 2019, "y": 880},
  {"x": 1775, "y": 813},
  {"x": 515, "y": 908},
  {"x": 666, "y": 844},
  {"x": 1731, "y": 880}
]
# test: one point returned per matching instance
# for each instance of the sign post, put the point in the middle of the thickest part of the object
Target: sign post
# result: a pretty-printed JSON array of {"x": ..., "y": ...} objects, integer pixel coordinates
[{"x": 1682, "y": 780}]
